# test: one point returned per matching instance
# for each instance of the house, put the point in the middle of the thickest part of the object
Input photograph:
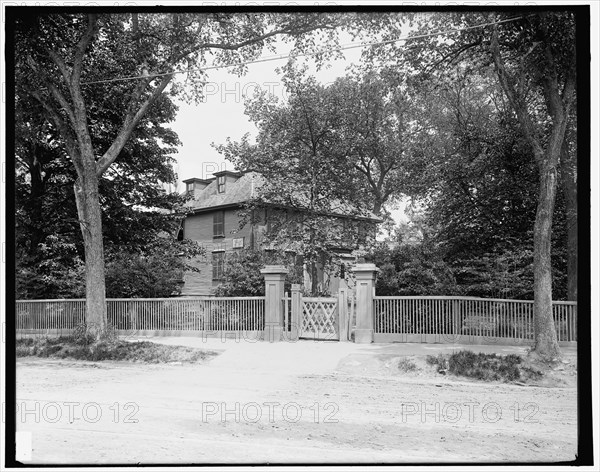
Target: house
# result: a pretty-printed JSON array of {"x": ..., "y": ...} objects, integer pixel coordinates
[{"x": 215, "y": 221}]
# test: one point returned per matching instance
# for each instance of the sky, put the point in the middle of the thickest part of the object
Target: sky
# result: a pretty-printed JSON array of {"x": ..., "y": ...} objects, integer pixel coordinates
[{"x": 221, "y": 114}]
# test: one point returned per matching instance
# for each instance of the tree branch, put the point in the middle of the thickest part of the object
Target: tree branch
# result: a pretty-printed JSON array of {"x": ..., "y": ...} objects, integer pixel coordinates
[
  {"x": 127, "y": 128},
  {"x": 82, "y": 45},
  {"x": 62, "y": 67},
  {"x": 62, "y": 128},
  {"x": 59, "y": 97},
  {"x": 454, "y": 54},
  {"x": 516, "y": 101}
]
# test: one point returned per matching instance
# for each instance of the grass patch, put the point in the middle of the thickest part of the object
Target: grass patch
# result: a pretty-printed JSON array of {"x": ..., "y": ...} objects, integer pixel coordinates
[
  {"x": 488, "y": 367},
  {"x": 69, "y": 347},
  {"x": 406, "y": 365}
]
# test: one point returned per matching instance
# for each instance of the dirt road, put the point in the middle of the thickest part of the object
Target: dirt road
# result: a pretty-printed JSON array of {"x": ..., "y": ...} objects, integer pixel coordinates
[{"x": 290, "y": 402}]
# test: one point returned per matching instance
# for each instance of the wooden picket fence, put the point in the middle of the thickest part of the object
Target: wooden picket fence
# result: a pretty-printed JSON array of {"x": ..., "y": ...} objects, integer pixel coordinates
[
  {"x": 167, "y": 316},
  {"x": 395, "y": 319},
  {"x": 465, "y": 319}
]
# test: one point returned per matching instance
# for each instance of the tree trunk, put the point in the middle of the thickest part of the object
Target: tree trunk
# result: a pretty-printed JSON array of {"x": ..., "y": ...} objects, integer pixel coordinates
[
  {"x": 568, "y": 167},
  {"x": 36, "y": 199},
  {"x": 90, "y": 220},
  {"x": 545, "y": 341},
  {"x": 314, "y": 279},
  {"x": 377, "y": 205}
]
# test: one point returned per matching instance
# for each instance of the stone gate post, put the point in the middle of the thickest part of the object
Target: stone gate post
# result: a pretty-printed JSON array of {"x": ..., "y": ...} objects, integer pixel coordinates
[
  {"x": 296, "y": 311},
  {"x": 343, "y": 314},
  {"x": 365, "y": 286},
  {"x": 274, "y": 279}
]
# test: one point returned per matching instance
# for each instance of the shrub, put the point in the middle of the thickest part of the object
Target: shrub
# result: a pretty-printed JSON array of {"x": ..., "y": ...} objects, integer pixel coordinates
[
  {"x": 242, "y": 277},
  {"x": 406, "y": 365},
  {"x": 481, "y": 366},
  {"x": 440, "y": 359},
  {"x": 67, "y": 347}
]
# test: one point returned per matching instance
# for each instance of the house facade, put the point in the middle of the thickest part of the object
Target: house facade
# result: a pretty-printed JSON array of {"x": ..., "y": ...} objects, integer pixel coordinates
[{"x": 215, "y": 220}]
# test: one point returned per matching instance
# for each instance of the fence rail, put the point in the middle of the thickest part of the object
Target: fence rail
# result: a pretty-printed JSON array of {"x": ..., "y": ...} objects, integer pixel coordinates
[
  {"x": 144, "y": 314},
  {"x": 452, "y": 317}
]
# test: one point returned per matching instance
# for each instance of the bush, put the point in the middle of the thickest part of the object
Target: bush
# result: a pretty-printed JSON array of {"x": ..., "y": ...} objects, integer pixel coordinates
[
  {"x": 242, "y": 277},
  {"x": 489, "y": 367},
  {"x": 68, "y": 347},
  {"x": 406, "y": 365},
  {"x": 440, "y": 359},
  {"x": 144, "y": 276},
  {"x": 56, "y": 271}
]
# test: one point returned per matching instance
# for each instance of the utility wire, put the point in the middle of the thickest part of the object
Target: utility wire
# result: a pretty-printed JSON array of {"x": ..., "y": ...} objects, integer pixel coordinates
[{"x": 308, "y": 54}]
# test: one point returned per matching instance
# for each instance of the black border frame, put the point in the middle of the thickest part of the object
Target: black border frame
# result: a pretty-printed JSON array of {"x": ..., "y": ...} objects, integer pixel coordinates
[{"x": 582, "y": 12}]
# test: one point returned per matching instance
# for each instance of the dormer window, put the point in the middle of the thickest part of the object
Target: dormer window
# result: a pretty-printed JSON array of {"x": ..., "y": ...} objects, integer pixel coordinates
[
  {"x": 189, "y": 187},
  {"x": 221, "y": 184}
]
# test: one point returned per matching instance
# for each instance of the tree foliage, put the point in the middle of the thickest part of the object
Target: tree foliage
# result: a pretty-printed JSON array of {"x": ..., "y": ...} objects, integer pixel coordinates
[
  {"x": 72, "y": 65},
  {"x": 135, "y": 206},
  {"x": 155, "y": 272},
  {"x": 319, "y": 203},
  {"x": 242, "y": 277},
  {"x": 534, "y": 62}
]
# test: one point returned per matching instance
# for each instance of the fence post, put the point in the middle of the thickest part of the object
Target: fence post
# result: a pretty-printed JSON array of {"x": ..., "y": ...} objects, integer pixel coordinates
[
  {"x": 343, "y": 314},
  {"x": 274, "y": 279},
  {"x": 456, "y": 321},
  {"x": 132, "y": 315},
  {"x": 296, "y": 315},
  {"x": 365, "y": 285}
]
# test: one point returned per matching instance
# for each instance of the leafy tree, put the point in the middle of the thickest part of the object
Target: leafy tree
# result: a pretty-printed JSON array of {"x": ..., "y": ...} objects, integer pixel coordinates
[
  {"x": 69, "y": 64},
  {"x": 155, "y": 272},
  {"x": 479, "y": 182},
  {"x": 49, "y": 248},
  {"x": 242, "y": 277},
  {"x": 477, "y": 192},
  {"x": 534, "y": 60},
  {"x": 550, "y": 42},
  {"x": 56, "y": 271},
  {"x": 376, "y": 128},
  {"x": 316, "y": 206}
]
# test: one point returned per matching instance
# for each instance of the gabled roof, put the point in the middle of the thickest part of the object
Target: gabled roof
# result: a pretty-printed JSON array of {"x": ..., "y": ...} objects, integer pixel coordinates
[{"x": 244, "y": 189}]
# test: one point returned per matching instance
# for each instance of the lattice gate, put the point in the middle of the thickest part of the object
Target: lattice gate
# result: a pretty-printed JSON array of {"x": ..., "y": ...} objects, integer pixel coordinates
[{"x": 319, "y": 319}]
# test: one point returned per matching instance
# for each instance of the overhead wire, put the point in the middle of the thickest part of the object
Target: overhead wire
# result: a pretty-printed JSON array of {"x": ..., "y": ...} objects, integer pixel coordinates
[{"x": 307, "y": 54}]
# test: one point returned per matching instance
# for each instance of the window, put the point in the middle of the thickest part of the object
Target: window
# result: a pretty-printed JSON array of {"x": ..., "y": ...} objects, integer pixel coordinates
[
  {"x": 219, "y": 224},
  {"x": 189, "y": 187},
  {"x": 218, "y": 264},
  {"x": 221, "y": 184}
]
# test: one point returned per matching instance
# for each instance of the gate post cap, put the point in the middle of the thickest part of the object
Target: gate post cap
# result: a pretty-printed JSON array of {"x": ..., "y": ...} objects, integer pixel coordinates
[
  {"x": 274, "y": 269},
  {"x": 296, "y": 287},
  {"x": 365, "y": 267}
]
